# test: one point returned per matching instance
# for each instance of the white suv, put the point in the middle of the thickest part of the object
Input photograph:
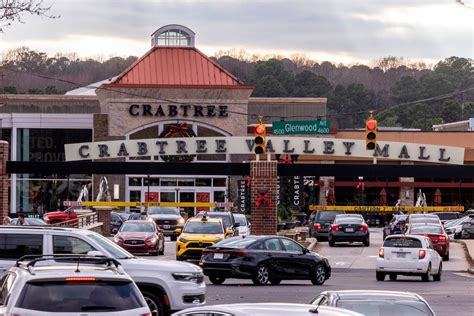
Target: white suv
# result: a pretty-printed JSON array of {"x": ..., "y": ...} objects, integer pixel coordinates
[
  {"x": 92, "y": 285},
  {"x": 166, "y": 285}
]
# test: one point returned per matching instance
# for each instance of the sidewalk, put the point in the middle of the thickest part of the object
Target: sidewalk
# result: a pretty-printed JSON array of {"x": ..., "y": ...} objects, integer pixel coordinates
[{"x": 469, "y": 243}]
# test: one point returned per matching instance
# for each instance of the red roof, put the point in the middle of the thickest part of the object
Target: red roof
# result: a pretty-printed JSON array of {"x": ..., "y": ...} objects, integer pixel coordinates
[{"x": 177, "y": 67}]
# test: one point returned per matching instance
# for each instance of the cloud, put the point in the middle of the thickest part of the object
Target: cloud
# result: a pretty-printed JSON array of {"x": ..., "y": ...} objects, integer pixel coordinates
[{"x": 344, "y": 29}]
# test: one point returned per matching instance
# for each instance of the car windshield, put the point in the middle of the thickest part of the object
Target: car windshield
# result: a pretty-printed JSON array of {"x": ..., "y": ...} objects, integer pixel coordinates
[
  {"x": 447, "y": 216},
  {"x": 240, "y": 219},
  {"x": 402, "y": 242},
  {"x": 348, "y": 220},
  {"x": 137, "y": 227},
  {"x": 329, "y": 215},
  {"x": 421, "y": 229},
  {"x": 434, "y": 220},
  {"x": 29, "y": 222},
  {"x": 80, "y": 297},
  {"x": 163, "y": 210},
  {"x": 386, "y": 308},
  {"x": 203, "y": 228},
  {"x": 113, "y": 250},
  {"x": 236, "y": 242},
  {"x": 225, "y": 218},
  {"x": 124, "y": 216}
]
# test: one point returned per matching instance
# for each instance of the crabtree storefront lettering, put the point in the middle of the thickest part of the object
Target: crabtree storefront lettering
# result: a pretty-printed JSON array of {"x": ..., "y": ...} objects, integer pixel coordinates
[
  {"x": 277, "y": 145},
  {"x": 183, "y": 110}
]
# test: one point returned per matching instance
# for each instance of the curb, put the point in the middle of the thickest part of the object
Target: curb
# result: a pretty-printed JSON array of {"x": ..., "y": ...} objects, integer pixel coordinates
[
  {"x": 469, "y": 258},
  {"x": 312, "y": 245}
]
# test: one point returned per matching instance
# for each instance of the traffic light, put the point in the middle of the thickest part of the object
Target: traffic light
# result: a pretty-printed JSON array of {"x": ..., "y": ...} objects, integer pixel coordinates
[
  {"x": 260, "y": 142},
  {"x": 370, "y": 133}
]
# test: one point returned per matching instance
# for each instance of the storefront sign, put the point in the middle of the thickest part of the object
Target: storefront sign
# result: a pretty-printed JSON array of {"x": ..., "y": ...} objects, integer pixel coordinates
[
  {"x": 327, "y": 147},
  {"x": 387, "y": 208},
  {"x": 297, "y": 190},
  {"x": 300, "y": 127},
  {"x": 172, "y": 110},
  {"x": 243, "y": 196},
  {"x": 202, "y": 197}
]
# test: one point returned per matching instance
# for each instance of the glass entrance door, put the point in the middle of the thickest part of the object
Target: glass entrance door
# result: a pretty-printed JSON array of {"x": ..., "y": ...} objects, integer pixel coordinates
[{"x": 187, "y": 196}]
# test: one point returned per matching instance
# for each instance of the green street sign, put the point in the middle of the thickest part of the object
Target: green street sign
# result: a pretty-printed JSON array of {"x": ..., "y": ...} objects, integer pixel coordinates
[{"x": 300, "y": 127}]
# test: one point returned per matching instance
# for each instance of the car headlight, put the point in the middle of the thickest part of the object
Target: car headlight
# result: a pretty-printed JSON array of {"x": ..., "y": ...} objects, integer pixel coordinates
[
  {"x": 118, "y": 239},
  {"x": 181, "y": 221},
  {"x": 150, "y": 219},
  {"x": 183, "y": 240},
  {"x": 196, "y": 277},
  {"x": 152, "y": 240}
]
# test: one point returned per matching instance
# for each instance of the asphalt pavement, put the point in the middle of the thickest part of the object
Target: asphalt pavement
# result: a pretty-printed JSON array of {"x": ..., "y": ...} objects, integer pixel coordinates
[{"x": 354, "y": 268}]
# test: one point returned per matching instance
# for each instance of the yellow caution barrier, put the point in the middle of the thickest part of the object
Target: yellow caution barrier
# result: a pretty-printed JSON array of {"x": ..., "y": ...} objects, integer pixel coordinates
[{"x": 389, "y": 209}]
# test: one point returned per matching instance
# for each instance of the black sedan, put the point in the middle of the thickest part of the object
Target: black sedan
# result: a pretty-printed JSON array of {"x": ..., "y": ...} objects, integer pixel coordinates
[
  {"x": 349, "y": 229},
  {"x": 376, "y": 303},
  {"x": 263, "y": 259},
  {"x": 395, "y": 226}
]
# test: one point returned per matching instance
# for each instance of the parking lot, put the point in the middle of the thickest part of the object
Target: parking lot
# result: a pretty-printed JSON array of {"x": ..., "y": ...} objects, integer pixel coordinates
[{"x": 354, "y": 268}]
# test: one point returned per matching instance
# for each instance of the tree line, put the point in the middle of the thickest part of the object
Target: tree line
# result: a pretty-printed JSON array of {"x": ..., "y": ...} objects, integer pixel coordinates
[{"x": 402, "y": 94}]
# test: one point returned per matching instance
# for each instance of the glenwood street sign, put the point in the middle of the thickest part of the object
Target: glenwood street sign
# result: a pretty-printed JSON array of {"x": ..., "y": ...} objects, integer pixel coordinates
[{"x": 327, "y": 147}]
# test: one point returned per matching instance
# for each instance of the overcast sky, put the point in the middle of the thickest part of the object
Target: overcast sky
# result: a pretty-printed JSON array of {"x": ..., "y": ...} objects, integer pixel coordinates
[{"x": 348, "y": 31}]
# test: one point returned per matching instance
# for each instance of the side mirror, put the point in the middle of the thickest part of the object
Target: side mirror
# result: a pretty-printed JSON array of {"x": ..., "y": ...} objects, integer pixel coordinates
[
  {"x": 229, "y": 232},
  {"x": 178, "y": 230},
  {"x": 236, "y": 224}
]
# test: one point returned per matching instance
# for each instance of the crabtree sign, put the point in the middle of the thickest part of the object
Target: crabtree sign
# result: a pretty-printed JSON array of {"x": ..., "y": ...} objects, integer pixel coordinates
[{"x": 328, "y": 147}]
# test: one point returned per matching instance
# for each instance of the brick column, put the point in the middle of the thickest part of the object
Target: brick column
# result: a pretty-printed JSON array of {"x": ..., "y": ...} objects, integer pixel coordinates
[
  {"x": 3, "y": 179},
  {"x": 407, "y": 193},
  {"x": 264, "y": 178},
  {"x": 104, "y": 215}
]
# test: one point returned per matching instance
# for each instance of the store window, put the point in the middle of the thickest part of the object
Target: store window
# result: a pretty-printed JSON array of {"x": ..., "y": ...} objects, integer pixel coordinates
[
  {"x": 203, "y": 182},
  {"x": 185, "y": 182},
  {"x": 135, "y": 182},
  {"x": 219, "y": 196},
  {"x": 220, "y": 182}
]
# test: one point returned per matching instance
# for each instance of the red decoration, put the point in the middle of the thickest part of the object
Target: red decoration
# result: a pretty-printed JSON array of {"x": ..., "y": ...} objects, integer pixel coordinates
[
  {"x": 263, "y": 197},
  {"x": 360, "y": 185},
  {"x": 286, "y": 161},
  {"x": 248, "y": 180},
  {"x": 182, "y": 129},
  {"x": 321, "y": 183}
]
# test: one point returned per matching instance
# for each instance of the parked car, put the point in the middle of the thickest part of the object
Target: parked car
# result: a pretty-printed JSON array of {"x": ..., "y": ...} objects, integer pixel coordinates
[
  {"x": 59, "y": 216},
  {"x": 454, "y": 228},
  {"x": 166, "y": 285},
  {"x": 319, "y": 223},
  {"x": 244, "y": 224},
  {"x": 396, "y": 225},
  {"x": 266, "y": 309},
  {"x": 446, "y": 216},
  {"x": 349, "y": 229},
  {"x": 436, "y": 234},
  {"x": 29, "y": 221},
  {"x": 118, "y": 218},
  {"x": 197, "y": 234},
  {"x": 226, "y": 217},
  {"x": 468, "y": 229},
  {"x": 408, "y": 255},
  {"x": 422, "y": 218},
  {"x": 96, "y": 286},
  {"x": 167, "y": 218},
  {"x": 264, "y": 259},
  {"x": 376, "y": 303},
  {"x": 140, "y": 236}
]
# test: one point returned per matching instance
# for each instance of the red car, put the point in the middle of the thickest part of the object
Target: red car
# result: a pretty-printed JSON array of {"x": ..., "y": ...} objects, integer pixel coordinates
[
  {"x": 59, "y": 216},
  {"x": 435, "y": 233},
  {"x": 139, "y": 236}
]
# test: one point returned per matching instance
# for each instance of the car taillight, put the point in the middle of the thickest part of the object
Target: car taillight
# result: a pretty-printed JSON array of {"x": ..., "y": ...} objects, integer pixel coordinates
[
  {"x": 317, "y": 226},
  {"x": 239, "y": 253},
  {"x": 147, "y": 314},
  {"x": 381, "y": 252},
  {"x": 442, "y": 238},
  {"x": 364, "y": 227},
  {"x": 421, "y": 254},
  {"x": 334, "y": 227},
  {"x": 79, "y": 279}
]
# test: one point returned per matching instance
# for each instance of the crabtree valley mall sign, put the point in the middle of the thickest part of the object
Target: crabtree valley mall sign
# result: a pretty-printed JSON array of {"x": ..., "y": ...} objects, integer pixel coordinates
[{"x": 328, "y": 147}]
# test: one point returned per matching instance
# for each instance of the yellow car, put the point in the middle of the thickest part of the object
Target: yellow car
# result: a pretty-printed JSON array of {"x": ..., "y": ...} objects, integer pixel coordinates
[{"x": 197, "y": 234}]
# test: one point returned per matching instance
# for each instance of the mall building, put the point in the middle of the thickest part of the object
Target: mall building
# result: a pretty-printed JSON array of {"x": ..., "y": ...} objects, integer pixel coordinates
[{"x": 174, "y": 90}]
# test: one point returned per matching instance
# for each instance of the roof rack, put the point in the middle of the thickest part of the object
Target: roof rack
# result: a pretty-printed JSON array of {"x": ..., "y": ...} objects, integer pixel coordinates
[{"x": 110, "y": 263}]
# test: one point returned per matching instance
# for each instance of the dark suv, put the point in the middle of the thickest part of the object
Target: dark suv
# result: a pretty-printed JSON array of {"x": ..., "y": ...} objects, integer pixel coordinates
[
  {"x": 167, "y": 218},
  {"x": 396, "y": 226},
  {"x": 319, "y": 223}
]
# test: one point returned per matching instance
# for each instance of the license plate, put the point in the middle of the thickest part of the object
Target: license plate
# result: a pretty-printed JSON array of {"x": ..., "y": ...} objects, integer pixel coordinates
[
  {"x": 218, "y": 256},
  {"x": 349, "y": 230},
  {"x": 400, "y": 255},
  {"x": 166, "y": 226}
]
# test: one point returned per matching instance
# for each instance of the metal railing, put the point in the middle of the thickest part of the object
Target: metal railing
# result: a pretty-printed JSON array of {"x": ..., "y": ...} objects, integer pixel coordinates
[{"x": 82, "y": 221}]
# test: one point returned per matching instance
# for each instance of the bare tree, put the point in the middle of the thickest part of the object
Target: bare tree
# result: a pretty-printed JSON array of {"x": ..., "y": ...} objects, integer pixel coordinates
[{"x": 12, "y": 11}]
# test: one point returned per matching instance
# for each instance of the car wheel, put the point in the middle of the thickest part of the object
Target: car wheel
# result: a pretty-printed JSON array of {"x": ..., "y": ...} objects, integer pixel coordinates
[
  {"x": 319, "y": 275},
  {"x": 162, "y": 251},
  {"x": 437, "y": 277},
  {"x": 367, "y": 242},
  {"x": 446, "y": 258},
  {"x": 216, "y": 279},
  {"x": 426, "y": 277},
  {"x": 380, "y": 276},
  {"x": 275, "y": 281},
  {"x": 262, "y": 275},
  {"x": 154, "y": 303},
  {"x": 173, "y": 238},
  {"x": 393, "y": 276},
  {"x": 332, "y": 243}
]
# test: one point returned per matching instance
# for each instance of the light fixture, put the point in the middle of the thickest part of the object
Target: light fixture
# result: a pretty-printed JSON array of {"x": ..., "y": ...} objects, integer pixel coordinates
[{"x": 407, "y": 194}]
